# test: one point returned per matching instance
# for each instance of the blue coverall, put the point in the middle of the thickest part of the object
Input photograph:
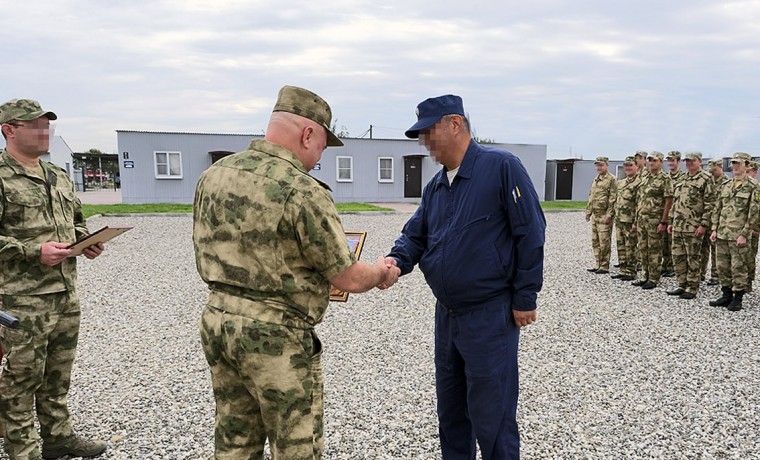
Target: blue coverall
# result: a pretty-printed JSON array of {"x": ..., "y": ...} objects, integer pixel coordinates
[{"x": 479, "y": 242}]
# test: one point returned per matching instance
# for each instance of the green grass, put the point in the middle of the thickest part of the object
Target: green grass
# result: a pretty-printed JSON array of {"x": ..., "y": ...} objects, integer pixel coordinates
[
  {"x": 551, "y": 205},
  {"x": 92, "y": 209},
  {"x": 353, "y": 207}
]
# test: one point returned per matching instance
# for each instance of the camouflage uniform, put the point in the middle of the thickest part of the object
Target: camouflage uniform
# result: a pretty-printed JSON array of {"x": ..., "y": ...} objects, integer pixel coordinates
[
  {"x": 40, "y": 353},
  {"x": 667, "y": 240},
  {"x": 753, "y": 242},
  {"x": 625, "y": 210},
  {"x": 692, "y": 207},
  {"x": 267, "y": 239},
  {"x": 651, "y": 197},
  {"x": 735, "y": 214},
  {"x": 600, "y": 209},
  {"x": 708, "y": 248}
]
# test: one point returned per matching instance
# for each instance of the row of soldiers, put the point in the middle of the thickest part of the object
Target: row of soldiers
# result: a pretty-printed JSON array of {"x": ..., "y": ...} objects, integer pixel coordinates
[{"x": 672, "y": 223}]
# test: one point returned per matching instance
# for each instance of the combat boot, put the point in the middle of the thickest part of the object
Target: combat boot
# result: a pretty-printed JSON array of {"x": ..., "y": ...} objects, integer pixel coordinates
[
  {"x": 723, "y": 300},
  {"x": 73, "y": 446},
  {"x": 736, "y": 303}
]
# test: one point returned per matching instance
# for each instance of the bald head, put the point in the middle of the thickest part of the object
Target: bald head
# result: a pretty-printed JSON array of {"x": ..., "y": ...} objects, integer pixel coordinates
[{"x": 305, "y": 138}]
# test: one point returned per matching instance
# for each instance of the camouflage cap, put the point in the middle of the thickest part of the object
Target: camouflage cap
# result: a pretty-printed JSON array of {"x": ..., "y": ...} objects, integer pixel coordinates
[
  {"x": 629, "y": 160},
  {"x": 694, "y": 156},
  {"x": 740, "y": 157},
  {"x": 23, "y": 110},
  {"x": 674, "y": 155},
  {"x": 715, "y": 163},
  {"x": 604, "y": 160},
  {"x": 304, "y": 103},
  {"x": 656, "y": 155},
  {"x": 753, "y": 165},
  {"x": 640, "y": 153}
]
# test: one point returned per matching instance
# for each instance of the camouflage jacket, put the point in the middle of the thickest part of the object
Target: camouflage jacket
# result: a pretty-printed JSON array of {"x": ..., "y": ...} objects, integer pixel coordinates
[
  {"x": 601, "y": 199},
  {"x": 693, "y": 198},
  {"x": 736, "y": 209},
  {"x": 652, "y": 194},
  {"x": 625, "y": 204},
  {"x": 677, "y": 176},
  {"x": 35, "y": 211},
  {"x": 267, "y": 236}
]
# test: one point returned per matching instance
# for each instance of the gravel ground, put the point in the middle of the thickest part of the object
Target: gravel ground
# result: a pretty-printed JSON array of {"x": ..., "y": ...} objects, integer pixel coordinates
[{"x": 609, "y": 370}]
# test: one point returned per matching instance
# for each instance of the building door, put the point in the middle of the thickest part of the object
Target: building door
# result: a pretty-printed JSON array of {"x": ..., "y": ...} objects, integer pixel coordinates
[
  {"x": 412, "y": 177},
  {"x": 564, "y": 189}
]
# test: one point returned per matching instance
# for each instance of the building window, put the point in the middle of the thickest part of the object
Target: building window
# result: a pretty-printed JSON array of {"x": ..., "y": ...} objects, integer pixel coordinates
[
  {"x": 168, "y": 165},
  {"x": 345, "y": 169},
  {"x": 385, "y": 169}
]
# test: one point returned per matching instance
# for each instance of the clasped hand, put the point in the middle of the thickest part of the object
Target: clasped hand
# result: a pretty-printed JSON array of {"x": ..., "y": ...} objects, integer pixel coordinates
[{"x": 392, "y": 272}]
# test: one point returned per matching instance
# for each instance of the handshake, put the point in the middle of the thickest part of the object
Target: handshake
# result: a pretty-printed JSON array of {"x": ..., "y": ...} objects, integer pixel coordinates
[{"x": 390, "y": 269}]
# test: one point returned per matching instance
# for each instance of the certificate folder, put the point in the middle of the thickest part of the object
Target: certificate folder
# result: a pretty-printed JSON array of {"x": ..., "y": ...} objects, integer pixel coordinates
[{"x": 101, "y": 236}]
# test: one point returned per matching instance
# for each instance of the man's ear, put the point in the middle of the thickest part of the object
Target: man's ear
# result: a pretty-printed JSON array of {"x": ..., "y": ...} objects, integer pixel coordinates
[{"x": 307, "y": 136}]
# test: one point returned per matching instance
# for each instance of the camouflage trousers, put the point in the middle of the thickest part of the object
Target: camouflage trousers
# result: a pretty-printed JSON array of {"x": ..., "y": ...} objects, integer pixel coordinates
[
  {"x": 626, "y": 248},
  {"x": 267, "y": 381},
  {"x": 687, "y": 260},
  {"x": 752, "y": 262},
  {"x": 650, "y": 247},
  {"x": 39, "y": 356},
  {"x": 601, "y": 241},
  {"x": 667, "y": 254},
  {"x": 708, "y": 256},
  {"x": 732, "y": 264}
]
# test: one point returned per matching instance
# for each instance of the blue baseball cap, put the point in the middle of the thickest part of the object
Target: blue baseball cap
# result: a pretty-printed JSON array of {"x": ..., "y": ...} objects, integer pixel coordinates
[{"x": 431, "y": 110}]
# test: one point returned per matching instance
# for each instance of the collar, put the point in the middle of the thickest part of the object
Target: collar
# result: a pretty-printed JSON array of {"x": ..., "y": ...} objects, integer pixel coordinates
[
  {"x": 466, "y": 167},
  {"x": 264, "y": 146},
  {"x": 17, "y": 167},
  {"x": 268, "y": 148}
]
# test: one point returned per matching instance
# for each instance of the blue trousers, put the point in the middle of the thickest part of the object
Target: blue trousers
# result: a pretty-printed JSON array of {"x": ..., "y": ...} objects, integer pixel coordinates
[{"x": 477, "y": 382}]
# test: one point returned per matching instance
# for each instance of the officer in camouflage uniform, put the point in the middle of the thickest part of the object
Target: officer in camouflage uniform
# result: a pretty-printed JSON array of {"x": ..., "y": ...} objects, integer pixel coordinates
[
  {"x": 641, "y": 163},
  {"x": 40, "y": 216},
  {"x": 600, "y": 207},
  {"x": 734, "y": 217},
  {"x": 269, "y": 243},
  {"x": 653, "y": 202},
  {"x": 676, "y": 176},
  {"x": 625, "y": 210},
  {"x": 752, "y": 265},
  {"x": 691, "y": 218},
  {"x": 715, "y": 168}
]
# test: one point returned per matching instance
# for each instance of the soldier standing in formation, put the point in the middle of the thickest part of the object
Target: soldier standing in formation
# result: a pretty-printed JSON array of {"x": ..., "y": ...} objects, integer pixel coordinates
[
  {"x": 752, "y": 173},
  {"x": 691, "y": 218},
  {"x": 676, "y": 176},
  {"x": 715, "y": 168},
  {"x": 734, "y": 217},
  {"x": 625, "y": 210},
  {"x": 600, "y": 208},
  {"x": 654, "y": 199}
]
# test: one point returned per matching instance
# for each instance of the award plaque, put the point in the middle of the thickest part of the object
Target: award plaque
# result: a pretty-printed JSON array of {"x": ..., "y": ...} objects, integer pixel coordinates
[{"x": 355, "y": 244}]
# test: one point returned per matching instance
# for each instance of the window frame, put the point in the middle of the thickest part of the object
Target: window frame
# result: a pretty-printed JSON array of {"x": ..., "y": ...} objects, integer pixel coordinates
[
  {"x": 379, "y": 170},
  {"x": 338, "y": 169},
  {"x": 168, "y": 174}
]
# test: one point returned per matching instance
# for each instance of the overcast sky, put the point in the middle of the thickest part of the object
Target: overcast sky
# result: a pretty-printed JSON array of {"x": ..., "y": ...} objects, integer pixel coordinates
[{"x": 584, "y": 77}]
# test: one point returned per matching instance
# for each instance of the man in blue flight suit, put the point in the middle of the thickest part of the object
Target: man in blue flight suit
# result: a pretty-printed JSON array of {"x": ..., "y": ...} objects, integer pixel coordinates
[{"x": 478, "y": 236}]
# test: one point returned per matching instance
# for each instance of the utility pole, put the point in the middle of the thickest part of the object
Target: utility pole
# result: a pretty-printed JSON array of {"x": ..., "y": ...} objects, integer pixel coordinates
[
  {"x": 370, "y": 131},
  {"x": 100, "y": 170}
]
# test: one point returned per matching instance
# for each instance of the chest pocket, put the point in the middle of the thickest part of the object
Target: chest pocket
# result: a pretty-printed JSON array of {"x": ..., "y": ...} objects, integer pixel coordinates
[
  {"x": 26, "y": 213},
  {"x": 67, "y": 199}
]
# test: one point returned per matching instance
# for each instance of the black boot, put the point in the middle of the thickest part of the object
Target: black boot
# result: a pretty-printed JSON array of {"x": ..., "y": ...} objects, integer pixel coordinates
[
  {"x": 723, "y": 300},
  {"x": 736, "y": 303}
]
